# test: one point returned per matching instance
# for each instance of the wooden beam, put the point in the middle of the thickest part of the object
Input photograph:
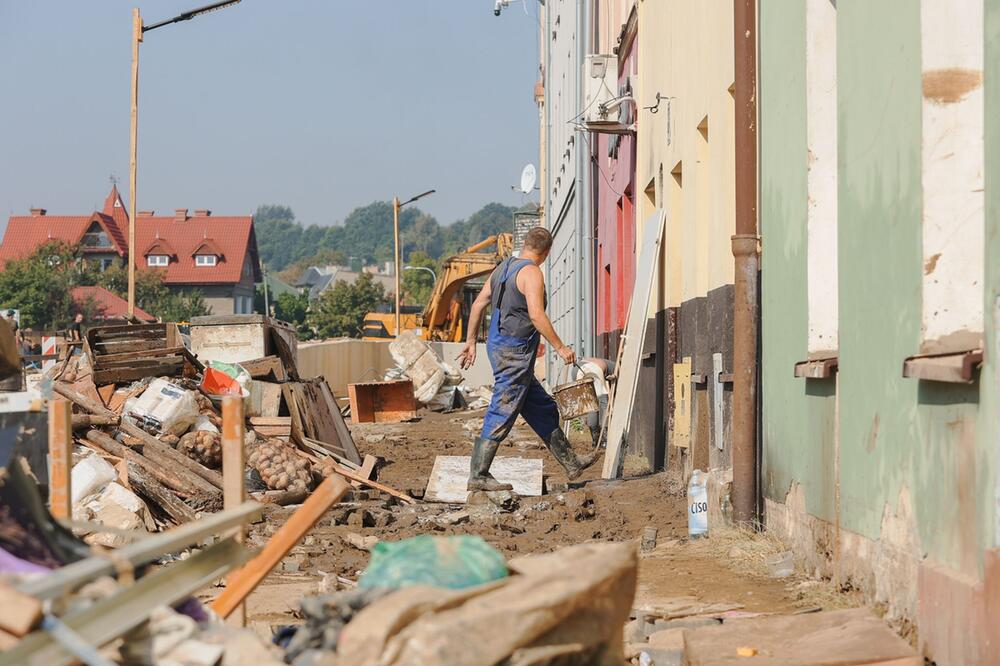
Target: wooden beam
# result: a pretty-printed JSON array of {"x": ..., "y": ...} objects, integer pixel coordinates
[
  {"x": 233, "y": 477},
  {"x": 19, "y": 612},
  {"x": 144, "y": 483},
  {"x": 66, "y": 579},
  {"x": 129, "y": 607},
  {"x": 162, "y": 473},
  {"x": 244, "y": 581},
  {"x": 60, "y": 458}
]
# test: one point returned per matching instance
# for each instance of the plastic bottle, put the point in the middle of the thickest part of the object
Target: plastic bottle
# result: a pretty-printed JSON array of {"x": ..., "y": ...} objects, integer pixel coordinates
[{"x": 697, "y": 505}]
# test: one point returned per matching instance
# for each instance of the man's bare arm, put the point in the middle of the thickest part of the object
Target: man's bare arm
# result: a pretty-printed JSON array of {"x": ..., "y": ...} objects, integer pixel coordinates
[{"x": 532, "y": 285}]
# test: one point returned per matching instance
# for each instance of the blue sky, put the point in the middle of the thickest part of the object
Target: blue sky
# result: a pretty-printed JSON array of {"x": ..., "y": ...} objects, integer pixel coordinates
[{"x": 320, "y": 105}]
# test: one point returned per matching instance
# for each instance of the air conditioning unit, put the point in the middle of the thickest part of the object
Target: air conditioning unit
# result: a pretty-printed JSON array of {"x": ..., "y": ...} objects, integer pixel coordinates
[{"x": 600, "y": 83}]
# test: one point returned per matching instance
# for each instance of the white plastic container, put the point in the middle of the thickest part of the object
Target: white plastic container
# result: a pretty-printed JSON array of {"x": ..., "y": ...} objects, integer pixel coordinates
[
  {"x": 164, "y": 408},
  {"x": 697, "y": 505}
]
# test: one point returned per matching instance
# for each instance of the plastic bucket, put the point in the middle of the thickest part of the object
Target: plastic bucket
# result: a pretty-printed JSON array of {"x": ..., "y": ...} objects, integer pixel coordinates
[{"x": 576, "y": 398}]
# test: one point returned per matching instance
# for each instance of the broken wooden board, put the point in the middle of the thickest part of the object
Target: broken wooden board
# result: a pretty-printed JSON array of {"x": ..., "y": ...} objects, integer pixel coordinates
[
  {"x": 840, "y": 638},
  {"x": 450, "y": 475},
  {"x": 635, "y": 327},
  {"x": 315, "y": 415},
  {"x": 265, "y": 398},
  {"x": 268, "y": 369}
]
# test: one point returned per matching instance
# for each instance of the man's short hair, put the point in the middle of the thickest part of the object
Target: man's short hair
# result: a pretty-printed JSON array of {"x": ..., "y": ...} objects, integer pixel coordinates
[{"x": 538, "y": 239}]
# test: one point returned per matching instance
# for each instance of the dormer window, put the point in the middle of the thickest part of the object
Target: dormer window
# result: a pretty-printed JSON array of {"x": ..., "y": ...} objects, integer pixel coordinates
[
  {"x": 157, "y": 260},
  {"x": 205, "y": 260}
]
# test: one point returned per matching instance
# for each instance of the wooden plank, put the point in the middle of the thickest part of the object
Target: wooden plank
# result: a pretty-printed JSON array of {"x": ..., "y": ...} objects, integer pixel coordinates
[
  {"x": 130, "y": 606},
  {"x": 284, "y": 421},
  {"x": 233, "y": 478},
  {"x": 64, "y": 580},
  {"x": 164, "y": 499},
  {"x": 244, "y": 581},
  {"x": 265, "y": 398},
  {"x": 142, "y": 354},
  {"x": 635, "y": 327},
  {"x": 19, "y": 612},
  {"x": 450, "y": 475},
  {"x": 88, "y": 420},
  {"x": 169, "y": 366},
  {"x": 285, "y": 353},
  {"x": 269, "y": 368},
  {"x": 105, "y": 392},
  {"x": 60, "y": 458}
]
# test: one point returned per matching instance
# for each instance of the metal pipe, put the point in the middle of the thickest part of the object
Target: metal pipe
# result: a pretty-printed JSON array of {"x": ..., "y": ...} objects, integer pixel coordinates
[
  {"x": 746, "y": 265},
  {"x": 396, "y": 257}
]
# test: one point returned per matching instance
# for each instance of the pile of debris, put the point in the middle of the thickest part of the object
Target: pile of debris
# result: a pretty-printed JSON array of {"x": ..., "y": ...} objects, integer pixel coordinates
[{"x": 148, "y": 421}]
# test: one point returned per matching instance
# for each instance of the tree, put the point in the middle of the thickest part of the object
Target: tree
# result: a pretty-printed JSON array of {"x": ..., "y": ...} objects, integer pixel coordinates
[
  {"x": 340, "y": 311},
  {"x": 418, "y": 285},
  {"x": 152, "y": 295},
  {"x": 40, "y": 285}
]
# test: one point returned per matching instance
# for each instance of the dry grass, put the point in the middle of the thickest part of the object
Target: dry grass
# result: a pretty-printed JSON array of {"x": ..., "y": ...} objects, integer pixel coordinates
[{"x": 746, "y": 552}]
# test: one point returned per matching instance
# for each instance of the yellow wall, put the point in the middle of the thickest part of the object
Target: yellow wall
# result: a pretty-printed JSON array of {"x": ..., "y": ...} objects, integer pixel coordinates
[{"x": 686, "y": 53}]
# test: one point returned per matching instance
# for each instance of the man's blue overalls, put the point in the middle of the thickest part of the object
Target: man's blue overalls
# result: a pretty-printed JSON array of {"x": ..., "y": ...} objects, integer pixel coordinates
[{"x": 515, "y": 389}]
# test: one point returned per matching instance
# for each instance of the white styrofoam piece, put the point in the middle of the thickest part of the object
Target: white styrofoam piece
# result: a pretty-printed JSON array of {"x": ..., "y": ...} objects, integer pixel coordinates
[
  {"x": 450, "y": 475},
  {"x": 635, "y": 328}
]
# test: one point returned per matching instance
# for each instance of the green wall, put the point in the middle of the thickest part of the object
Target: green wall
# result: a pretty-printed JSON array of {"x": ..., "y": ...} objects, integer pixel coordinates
[
  {"x": 925, "y": 436},
  {"x": 801, "y": 422}
]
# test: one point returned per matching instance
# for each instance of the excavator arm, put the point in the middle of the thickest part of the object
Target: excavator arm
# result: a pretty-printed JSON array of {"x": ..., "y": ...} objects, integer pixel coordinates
[{"x": 441, "y": 318}]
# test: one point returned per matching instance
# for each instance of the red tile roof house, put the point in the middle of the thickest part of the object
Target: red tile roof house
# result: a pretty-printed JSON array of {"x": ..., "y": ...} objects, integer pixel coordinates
[{"x": 213, "y": 254}]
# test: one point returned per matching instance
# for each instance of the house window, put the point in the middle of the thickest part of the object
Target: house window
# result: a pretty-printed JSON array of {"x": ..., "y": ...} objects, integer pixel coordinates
[
  {"x": 204, "y": 260},
  {"x": 106, "y": 264},
  {"x": 157, "y": 260}
]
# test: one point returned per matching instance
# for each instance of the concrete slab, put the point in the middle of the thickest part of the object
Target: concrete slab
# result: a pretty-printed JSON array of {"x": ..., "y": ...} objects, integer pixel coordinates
[
  {"x": 450, "y": 475},
  {"x": 831, "y": 638}
]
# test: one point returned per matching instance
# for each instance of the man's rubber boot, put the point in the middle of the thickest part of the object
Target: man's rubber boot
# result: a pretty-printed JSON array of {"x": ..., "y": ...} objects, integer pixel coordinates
[
  {"x": 479, "y": 467},
  {"x": 563, "y": 452}
]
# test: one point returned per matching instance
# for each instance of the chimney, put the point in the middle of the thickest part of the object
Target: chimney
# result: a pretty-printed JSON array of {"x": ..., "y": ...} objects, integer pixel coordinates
[
  {"x": 180, "y": 214},
  {"x": 38, "y": 212},
  {"x": 144, "y": 213},
  {"x": 202, "y": 212}
]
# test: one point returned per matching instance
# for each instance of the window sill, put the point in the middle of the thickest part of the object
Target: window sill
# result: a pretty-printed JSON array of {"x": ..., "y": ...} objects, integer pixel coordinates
[
  {"x": 955, "y": 368},
  {"x": 817, "y": 368}
]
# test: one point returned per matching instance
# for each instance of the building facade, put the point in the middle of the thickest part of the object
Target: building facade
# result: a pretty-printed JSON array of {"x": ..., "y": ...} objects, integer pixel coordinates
[
  {"x": 880, "y": 305},
  {"x": 215, "y": 255}
]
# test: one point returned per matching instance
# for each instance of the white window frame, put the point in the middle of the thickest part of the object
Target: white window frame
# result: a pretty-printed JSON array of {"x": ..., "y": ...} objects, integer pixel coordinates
[
  {"x": 157, "y": 260},
  {"x": 206, "y": 260}
]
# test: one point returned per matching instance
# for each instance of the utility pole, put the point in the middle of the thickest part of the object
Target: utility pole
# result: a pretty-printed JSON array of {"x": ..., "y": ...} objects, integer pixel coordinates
[
  {"x": 133, "y": 148},
  {"x": 138, "y": 30},
  {"x": 395, "y": 235},
  {"x": 396, "y": 260}
]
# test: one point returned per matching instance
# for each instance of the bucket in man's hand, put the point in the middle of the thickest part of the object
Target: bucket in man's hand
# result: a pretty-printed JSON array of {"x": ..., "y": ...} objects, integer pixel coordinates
[{"x": 576, "y": 398}]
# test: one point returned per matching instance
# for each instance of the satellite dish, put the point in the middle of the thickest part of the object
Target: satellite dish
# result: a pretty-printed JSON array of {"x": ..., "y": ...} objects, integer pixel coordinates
[{"x": 528, "y": 179}]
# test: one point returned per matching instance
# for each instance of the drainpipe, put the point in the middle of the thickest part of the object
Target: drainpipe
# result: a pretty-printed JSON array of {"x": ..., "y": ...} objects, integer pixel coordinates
[
  {"x": 747, "y": 263},
  {"x": 585, "y": 230}
]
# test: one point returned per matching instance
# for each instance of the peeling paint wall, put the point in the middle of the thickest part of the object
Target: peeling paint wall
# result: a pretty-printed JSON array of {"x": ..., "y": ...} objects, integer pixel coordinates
[{"x": 873, "y": 475}]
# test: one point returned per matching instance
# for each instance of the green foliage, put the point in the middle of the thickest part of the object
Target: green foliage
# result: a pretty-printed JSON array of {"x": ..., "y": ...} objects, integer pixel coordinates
[
  {"x": 152, "y": 295},
  {"x": 39, "y": 286},
  {"x": 418, "y": 285},
  {"x": 366, "y": 236},
  {"x": 340, "y": 311}
]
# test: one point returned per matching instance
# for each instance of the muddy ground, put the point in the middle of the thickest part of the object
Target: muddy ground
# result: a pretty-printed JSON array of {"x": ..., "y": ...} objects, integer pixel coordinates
[{"x": 720, "y": 569}]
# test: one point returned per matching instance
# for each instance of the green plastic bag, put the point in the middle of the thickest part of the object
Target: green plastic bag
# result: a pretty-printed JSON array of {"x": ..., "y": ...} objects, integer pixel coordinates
[{"x": 452, "y": 562}]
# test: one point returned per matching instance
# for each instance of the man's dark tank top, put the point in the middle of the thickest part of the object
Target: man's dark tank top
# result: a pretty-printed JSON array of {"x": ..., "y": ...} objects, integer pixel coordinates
[{"x": 509, "y": 304}]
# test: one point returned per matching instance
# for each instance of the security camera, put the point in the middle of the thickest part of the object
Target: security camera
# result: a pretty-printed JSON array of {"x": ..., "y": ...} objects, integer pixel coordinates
[{"x": 498, "y": 7}]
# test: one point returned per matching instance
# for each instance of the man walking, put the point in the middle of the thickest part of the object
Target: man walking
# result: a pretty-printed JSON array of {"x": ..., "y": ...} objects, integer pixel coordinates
[{"x": 516, "y": 291}]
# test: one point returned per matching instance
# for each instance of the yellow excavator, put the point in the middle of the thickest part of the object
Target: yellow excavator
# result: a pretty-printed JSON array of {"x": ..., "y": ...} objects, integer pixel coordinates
[{"x": 442, "y": 317}]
